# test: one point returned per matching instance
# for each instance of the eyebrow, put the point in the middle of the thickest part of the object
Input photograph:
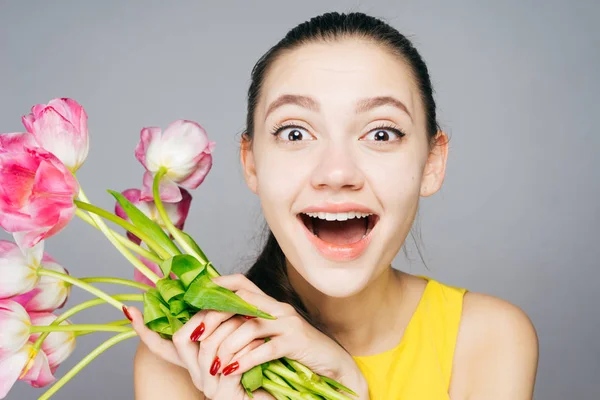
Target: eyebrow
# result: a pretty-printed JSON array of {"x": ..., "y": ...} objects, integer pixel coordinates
[{"x": 311, "y": 104}]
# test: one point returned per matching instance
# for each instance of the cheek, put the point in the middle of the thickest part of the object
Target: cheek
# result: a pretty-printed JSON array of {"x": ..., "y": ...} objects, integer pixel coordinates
[
  {"x": 280, "y": 177},
  {"x": 396, "y": 181}
]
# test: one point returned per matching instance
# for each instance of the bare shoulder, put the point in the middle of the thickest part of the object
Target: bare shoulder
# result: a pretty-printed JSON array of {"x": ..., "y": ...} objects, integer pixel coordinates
[
  {"x": 155, "y": 378},
  {"x": 496, "y": 353}
]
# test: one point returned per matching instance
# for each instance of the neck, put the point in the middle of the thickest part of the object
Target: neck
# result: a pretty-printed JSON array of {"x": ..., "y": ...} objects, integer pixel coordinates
[{"x": 365, "y": 323}]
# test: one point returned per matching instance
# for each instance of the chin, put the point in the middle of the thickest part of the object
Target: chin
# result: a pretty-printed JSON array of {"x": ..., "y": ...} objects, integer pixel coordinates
[{"x": 337, "y": 282}]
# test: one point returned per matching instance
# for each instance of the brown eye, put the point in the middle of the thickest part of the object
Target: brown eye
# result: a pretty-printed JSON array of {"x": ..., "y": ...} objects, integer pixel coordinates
[
  {"x": 384, "y": 134},
  {"x": 292, "y": 133}
]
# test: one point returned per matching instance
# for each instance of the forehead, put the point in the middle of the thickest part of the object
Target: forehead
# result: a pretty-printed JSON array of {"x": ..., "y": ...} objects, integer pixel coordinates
[{"x": 338, "y": 73}]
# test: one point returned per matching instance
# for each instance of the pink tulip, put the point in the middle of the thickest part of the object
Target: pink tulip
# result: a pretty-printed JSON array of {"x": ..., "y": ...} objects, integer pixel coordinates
[
  {"x": 57, "y": 346},
  {"x": 177, "y": 211},
  {"x": 183, "y": 148},
  {"x": 49, "y": 293},
  {"x": 36, "y": 190},
  {"x": 15, "y": 324},
  {"x": 37, "y": 371},
  {"x": 60, "y": 127}
]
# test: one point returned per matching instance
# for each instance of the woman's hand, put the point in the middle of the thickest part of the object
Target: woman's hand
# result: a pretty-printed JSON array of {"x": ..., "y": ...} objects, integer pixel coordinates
[{"x": 216, "y": 347}]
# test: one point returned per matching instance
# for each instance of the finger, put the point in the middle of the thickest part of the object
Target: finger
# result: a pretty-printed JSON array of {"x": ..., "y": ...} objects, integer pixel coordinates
[
  {"x": 230, "y": 387},
  {"x": 162, "y": 347},
  {"x": 187, "y": 347},
  {"x": 229, "y": 360},
  {"x": 212, "y": 320},
  {"x": 271, "y": 350},
  {"x": 210, "y": 365},
  {"x": 235, "y": 282},
  {"x": 250, "y": 331}
]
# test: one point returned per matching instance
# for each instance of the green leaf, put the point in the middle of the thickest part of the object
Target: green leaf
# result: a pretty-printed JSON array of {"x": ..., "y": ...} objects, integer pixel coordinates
[
  {"x": 204, "y": 294},
  {"x": 177, "y": 307},
  {"x": 186, "y": 267},
  {"x": 161, "y": 326},
  {"x": 174, "y": 323},
  {"x": 152, "y": 306},
  {"x": 252, "y": 379},
  {"x": 337, "y": 385},
  {"x": 151, "y": 228},
  {"x": 170, "y": 288},
  {"x": 189, "y": 240}
]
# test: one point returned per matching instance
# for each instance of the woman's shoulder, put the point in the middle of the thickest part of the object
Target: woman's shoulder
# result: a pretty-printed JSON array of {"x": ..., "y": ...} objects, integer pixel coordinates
[{"x": 497, "y": 347}]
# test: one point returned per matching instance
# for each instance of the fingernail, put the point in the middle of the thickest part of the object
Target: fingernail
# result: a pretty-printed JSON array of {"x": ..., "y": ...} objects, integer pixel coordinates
[
  {"x": 215, "y": 366},
  {"x": 126, "y": 312},
  {"x": 197, "y": 332},
  {"x": 249, "y": 316},
  {"x": 231, "y": 368}
]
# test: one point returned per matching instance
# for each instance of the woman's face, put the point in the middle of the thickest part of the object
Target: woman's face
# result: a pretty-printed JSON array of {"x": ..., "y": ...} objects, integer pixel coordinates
[{"x": 339, "y": 158}]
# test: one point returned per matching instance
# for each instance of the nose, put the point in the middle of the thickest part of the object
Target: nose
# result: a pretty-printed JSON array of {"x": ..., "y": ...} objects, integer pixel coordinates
[{"x": 337, "y": 170}]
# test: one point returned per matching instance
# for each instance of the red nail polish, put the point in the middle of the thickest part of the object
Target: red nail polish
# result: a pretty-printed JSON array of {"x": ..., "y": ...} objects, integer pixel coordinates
[
  {"x": 126, "y": 312},
  {"x": 249, "y": 316},
  {"x": 231, "y": 368},
  {"x": 215, "y": 366},
  {"x": 197, "y": 332}
]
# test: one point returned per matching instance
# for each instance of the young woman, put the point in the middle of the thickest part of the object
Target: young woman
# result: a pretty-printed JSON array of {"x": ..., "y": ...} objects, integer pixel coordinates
[{"x": 341, "y": 142}]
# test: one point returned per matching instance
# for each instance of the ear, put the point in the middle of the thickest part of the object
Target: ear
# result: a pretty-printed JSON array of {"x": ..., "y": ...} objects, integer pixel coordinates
[
  {"x": 247, "y": 160},
  {"x": 435, "y": 167}
]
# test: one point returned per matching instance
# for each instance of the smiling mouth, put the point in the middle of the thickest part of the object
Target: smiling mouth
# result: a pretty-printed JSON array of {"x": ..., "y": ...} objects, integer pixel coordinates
[{"x": 339, "y": 229}]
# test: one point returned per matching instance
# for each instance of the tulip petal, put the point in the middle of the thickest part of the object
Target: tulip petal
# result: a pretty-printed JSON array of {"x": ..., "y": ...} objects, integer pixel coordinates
[
  {"x": 36, "y": 197},
  {"x": 49, "y": 293},
  {"x": 60, "y": 137},
  {"x": 57, "y": 346},
  {"x": 182, "y": 142},
  {"x": 39, "y": 375},
  {"x": 17, "y": 172},
  {"x": 16, "y": 275},
  {"x": 10, "y": 370},
  {"x": 17, "y": 141},
  {"x": 72, "y": 111},
  {"x": 15, "y": 323},
  {"x": 197, "y": 177},
  {"x": 169, "y": 191},
  {"x": 148, "y": 136},
  {"x": 178, "y": 212}
]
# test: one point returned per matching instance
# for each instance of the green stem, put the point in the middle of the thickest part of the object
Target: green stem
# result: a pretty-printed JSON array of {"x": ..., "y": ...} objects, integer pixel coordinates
[
  {"x": 165, "y": 217},
  {"x": 83, "y": 306},
  {"x": 86, "y": 360},
  {"x": 77, "y": 327},
  {"x": 114, "y": 323},
  {"x": 275, "y": 389},
  {"x": 320, "y": 388},
  {"x": 82, "y": 285},
  {"x": 96, "y": 212},
  {"x": 85, "y": 205},
  {"x": 122, "y": 239},
  {"x": 117, "y": 281}
]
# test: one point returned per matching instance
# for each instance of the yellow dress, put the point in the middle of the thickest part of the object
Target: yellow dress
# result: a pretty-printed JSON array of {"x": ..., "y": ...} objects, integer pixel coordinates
[{"x": 419, "y": 367}]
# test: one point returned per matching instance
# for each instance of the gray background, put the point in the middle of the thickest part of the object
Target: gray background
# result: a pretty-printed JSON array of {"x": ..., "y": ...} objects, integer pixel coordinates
[{"x": 516, "y": 83}]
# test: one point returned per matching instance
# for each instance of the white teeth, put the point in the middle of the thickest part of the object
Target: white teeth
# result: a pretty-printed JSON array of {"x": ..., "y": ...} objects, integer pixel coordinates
[{"x": 338, "y": 216}]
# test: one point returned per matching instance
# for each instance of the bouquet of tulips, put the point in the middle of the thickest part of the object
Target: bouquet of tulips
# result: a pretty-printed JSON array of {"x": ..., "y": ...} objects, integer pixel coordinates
[{"x": 40, "y": 195}]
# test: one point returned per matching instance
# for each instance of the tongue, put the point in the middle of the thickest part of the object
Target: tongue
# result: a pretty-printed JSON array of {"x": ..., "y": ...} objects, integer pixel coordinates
[{"x": 340, "y": 232}]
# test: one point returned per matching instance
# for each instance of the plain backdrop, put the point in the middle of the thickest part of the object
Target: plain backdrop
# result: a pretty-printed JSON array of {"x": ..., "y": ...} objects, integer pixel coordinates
[{"x": 517, "y": 88}]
